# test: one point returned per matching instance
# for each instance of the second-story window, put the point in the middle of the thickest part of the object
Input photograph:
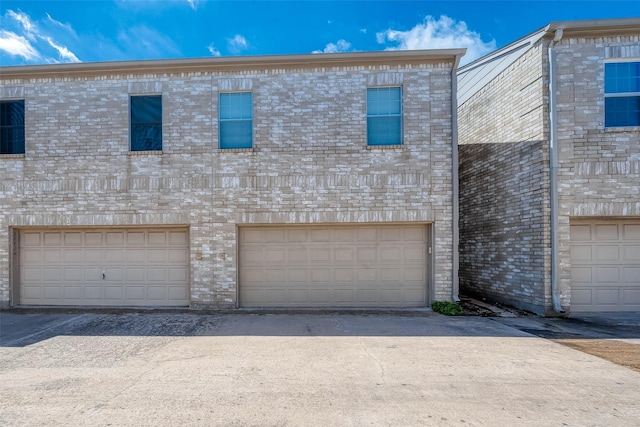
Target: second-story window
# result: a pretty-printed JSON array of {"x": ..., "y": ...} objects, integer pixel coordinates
[
  {"x": 146, "y": 123},
  {"x": 384, "y": 116},
  {"x": 621, "y": 94},
  {"x": 236, "y": 120},
  {"x": 12, "y": 127}
]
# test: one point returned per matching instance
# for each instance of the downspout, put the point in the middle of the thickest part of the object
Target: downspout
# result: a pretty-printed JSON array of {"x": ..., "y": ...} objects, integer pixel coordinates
[
  {"x": 553, "y": 174},
  {"x": 454, "y": 178}
]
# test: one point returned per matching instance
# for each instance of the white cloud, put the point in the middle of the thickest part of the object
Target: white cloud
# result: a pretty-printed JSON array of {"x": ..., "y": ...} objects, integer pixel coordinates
[
  {"x": 237, "y": 44},
  {"x": 363, "y": 30},
  {"x": 24, "y": 21},
  {"x": 16, "y": 45},
  {"x": 213, "y": 51},
  {"x": 65, "y": 54},
  {"x": 340, "y": 46},
  {"x": 142, "y": 41},
  {"x": 442, "y": 33},
  {"x": 36, "y": 41}
]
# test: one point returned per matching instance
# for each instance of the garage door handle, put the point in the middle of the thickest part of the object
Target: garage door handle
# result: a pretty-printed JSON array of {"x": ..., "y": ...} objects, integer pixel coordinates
[{"x": 104, "y": 276}]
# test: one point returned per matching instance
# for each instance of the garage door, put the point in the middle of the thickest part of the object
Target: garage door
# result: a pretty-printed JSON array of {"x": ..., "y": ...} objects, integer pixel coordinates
[
  {"x": 605, "y": 266},
  {"x": 114, "y": 267},
  {"x": 319, "y": 266}
]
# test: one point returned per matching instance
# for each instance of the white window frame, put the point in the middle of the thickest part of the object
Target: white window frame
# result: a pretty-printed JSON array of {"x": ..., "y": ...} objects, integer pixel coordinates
[
  {"x": 399, "y": 115},
  {"x": 618, "y": 94},
  {"x": 241, "y": 119}
]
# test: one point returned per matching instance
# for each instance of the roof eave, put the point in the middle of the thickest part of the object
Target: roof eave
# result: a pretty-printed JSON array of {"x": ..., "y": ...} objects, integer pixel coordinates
[{"x": 235, "y": 63}]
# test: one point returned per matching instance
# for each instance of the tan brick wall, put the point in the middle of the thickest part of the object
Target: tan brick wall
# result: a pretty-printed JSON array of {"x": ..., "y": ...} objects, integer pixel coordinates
[
  {"x": 503, "y": 187},
  {"x": 510, "y": 108},
  {"x": 310, "y": 162},
  {"x": 502, "y": 223},
  {"x": 599, "y": 168}
]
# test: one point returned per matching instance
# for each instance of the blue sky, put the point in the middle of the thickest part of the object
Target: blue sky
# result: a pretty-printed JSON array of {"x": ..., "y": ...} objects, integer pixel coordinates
[{"x": 39, "y": 32}]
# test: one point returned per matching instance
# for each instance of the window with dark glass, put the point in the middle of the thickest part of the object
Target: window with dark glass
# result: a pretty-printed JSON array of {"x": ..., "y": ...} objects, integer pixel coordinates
[
  {"x": 146, "y": 123},
  {"x": 236, "y": 120},
  {"x": 384, "y": 116},
  {"x": 622, "y": 94},
  {"x": 12, "y": 127}
]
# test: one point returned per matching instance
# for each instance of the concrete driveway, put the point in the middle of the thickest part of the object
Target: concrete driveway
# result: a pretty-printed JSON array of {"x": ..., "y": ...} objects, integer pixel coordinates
[{"x": 246, "y": 369}]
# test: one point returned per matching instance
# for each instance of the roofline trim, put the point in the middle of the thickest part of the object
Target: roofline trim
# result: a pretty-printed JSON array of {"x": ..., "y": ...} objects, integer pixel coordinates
[{"x": 235, "y": 63}]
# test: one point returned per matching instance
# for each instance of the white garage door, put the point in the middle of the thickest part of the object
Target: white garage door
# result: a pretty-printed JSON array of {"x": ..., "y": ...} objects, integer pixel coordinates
[
  {"x": 605, "y": 265},
  {"x": 319, "y": 266},
  {"x": 110, "y": 267}
]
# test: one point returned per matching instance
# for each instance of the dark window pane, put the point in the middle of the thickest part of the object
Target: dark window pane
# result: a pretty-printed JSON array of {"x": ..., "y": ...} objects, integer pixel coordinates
[
  {"x": 146, "y": 137},
  {"x": 236, "y": 134},
  {"x": 12, "y": 127},
  {"x": 384, "y": 130},
  {"x": 146, "y": 123},
  {"x": 622, "y": 111}
]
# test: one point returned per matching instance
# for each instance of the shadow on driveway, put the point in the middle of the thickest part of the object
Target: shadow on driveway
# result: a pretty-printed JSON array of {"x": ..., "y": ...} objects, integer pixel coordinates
[{"x": 22, "y": 328}]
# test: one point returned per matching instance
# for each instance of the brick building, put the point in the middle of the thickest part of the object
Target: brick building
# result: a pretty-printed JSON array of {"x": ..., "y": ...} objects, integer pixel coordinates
[
  {"x": 550, "y": 185},
  {"x": 300, "y": 180}
]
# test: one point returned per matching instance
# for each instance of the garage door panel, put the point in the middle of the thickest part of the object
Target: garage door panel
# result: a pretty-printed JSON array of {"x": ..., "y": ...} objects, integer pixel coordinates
[
  {"x": 333, "y": 266},
  {"x": 631, "y": 253},
  {"x": 114, "y": 292},
  {"x": 631, "y": 275},
  {"x": 606, "y": 232},
  {"x": 95, "y": 256},
  {"x": 581, "y": 253},
  {"x": 53, "y": 274},
  {"x": 414, "y": 234},
  {"x": 344, "y": 255},
  {"x": 275, "y": 255},
  {"x": 55, "y": 255},
  {"x": 610, "y": 281},
  {"x": 156, "y": 293},
  {"x": 64, "y": 267},
  {"x": 320, "y": 235},
  {"x": 344, "y": 275},
  {"x": 178, "y": 256},
  {"x": 135, "y": 256},
  {"x": 607, "y": 297},
  {"x": 72, "y": 239},
  {"x": 93, "y": 294},
  {"x": 52, "y": 292},
  {"x": 115, "y": 239},
  {"x": 73, "y": 274},
  {"x": 72, "y": 293},
  {"x": 581, "y": 274},
  {"x": 607, "y": 275},
  {"x": 70, "y": 256},
  {"x": 52, "y": 239},
  {"x": 156, "y": 256},
  {"x": 177, "y": 293},
  {"x": 631, "y": 232},
  {"x": 580, "y": 233},
  {"x": 321, "y": 275},
  {"x": 390, "y": 254},
  {"x": 607, "y": 253},
  {"x": 93, "y": 239},
  {"x": 631, "y": 297},
  {"x": 320, "y": 255},
  {"x": 135, "y": 238},
  {"x": 30, "y": 239}
]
